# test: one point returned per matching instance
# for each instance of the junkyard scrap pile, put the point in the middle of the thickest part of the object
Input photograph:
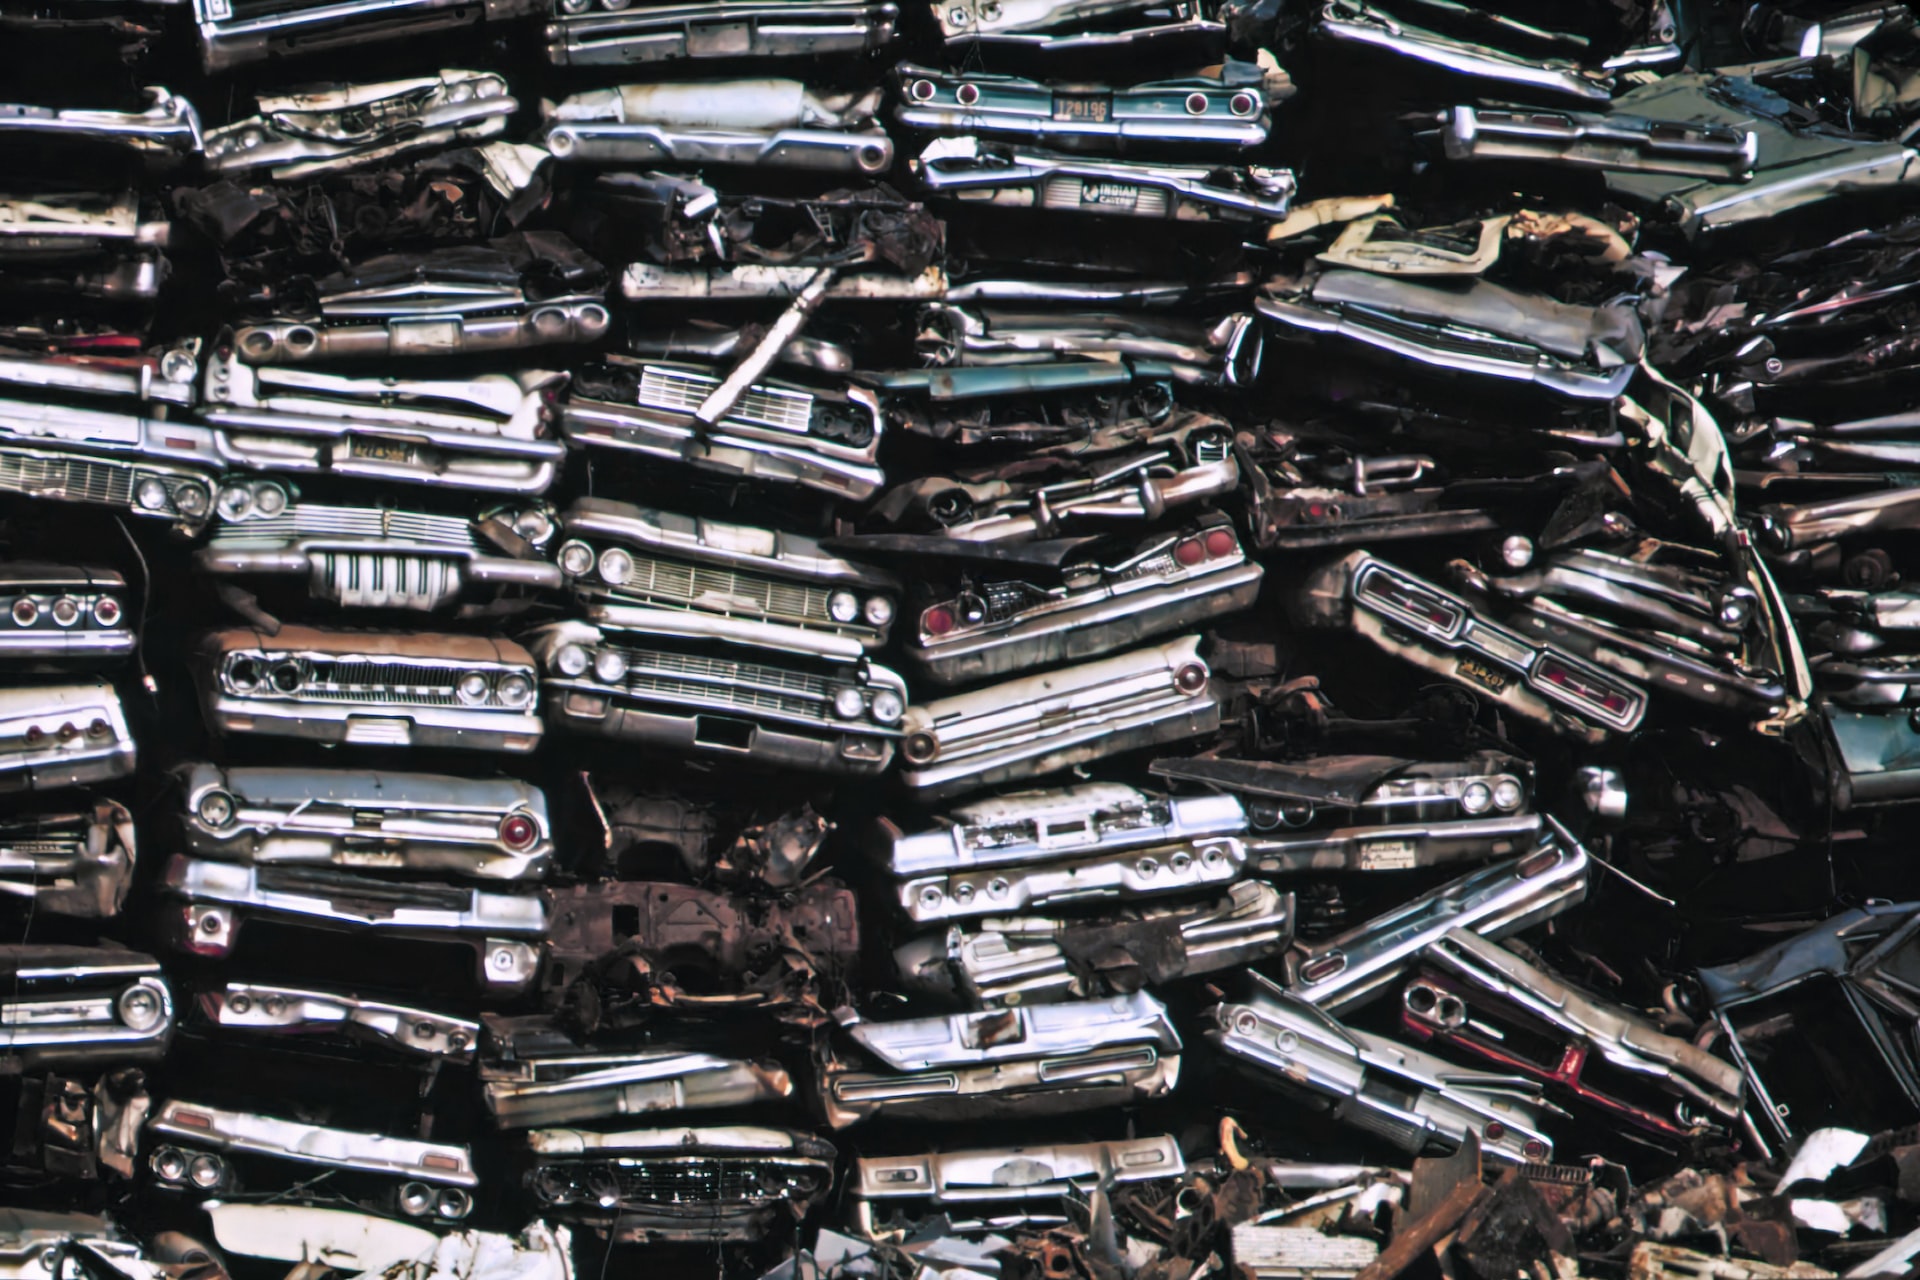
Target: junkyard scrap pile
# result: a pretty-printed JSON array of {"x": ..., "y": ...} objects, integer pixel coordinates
[{"x": 1024, "y": 639}]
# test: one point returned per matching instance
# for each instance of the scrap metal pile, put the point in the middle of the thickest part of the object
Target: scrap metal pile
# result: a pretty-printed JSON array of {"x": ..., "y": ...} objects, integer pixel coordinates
[{"x": 840, "y": 640}]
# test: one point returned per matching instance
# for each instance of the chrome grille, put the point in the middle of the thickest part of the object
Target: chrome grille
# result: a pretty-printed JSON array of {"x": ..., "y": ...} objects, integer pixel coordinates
[
  {"x": 720, "y": 682},
  {"x": 381, "y": 683},
  {"x": 727, "y": 592},
  {"x": 385, "y": 581},
  {"x": 681, "y": 391},
  {"x": 74, "y": 479},
  {"x": 699, "y": 1181},
  {"x": 362, "y": 894},
  {"x": 313, "y": 520}
]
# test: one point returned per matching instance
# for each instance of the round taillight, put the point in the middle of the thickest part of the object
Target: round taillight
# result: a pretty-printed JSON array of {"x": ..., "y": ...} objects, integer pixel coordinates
[
  {"x": 518, "y": 831},
  {"x": 1494, "y": 1131},
  {"x": 1189, "y": 552},
  {"x": 937, "y": 621},
  {"x": 1221, "y": 542},
  {"x": 26, "y": 611},
  {"x": 967, "y": 94},
  {"x": 1196, "y": 104},
  {"x": 1191, "y": 678},
  {"x": 920, "y": 748},
  {"x": 107, "y": 611},
  {"x": 922, "y": 91},
  {"x": 1242, "y": 104},
  {"x": 1534, "y": 1149}
]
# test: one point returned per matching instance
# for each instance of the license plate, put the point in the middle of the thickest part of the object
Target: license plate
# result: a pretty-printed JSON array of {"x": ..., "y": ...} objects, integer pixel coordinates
[
  {"x": 1093, "y": 110},
  {"x": 1386, "y": 855},
  {"x": 380, "y": 450},
  {"x": 1116, "y": 195},
  {"x": 1477, "y": 672}
]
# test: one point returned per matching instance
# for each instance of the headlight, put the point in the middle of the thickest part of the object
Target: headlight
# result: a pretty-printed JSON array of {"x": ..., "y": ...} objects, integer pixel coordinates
[
  {"x": 473, "y": 688},
  {"x": 610, "y": 665},
  {"x": 169, "y": 1164},
  {"x": 515, "y": 690},
  {"x": 192, "y": 499},
  {"x": 576, "y": 559},
  {"x": 575, "y": 6},
  {"x": 151, "y": 494},
  {"x": 215, "y": 808},
  {"x": 888, "y": 706},
  {"x": 243, "y": 672},
  {"x": 843, "y": 606},
  {"x": 235, "y": 501},
  {"x": 1477, "y": 797},
  {"x": 615, "y": 566},
  {"x": 288, "y": 677},
  {"x": 416, "y": 1199},
  {"x": 571, "y": 660},
  {"x": 207, "y": 1172},
  {"x": 269, "y": 499},
  {"x": 1516, "y": 551},
  {"x": 452, "y": 1202},
  {"x": 879, "y": 611},
  {"x": 140, "y": 1008},
  {"x": 533, "y": 524},
  {"x": 1507, "y": 795},
  {"x": 848, "y": 703}
]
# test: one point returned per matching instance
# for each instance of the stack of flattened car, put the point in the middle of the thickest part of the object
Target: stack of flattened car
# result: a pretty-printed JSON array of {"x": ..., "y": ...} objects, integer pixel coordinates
[{"x": 981, "y": 640}]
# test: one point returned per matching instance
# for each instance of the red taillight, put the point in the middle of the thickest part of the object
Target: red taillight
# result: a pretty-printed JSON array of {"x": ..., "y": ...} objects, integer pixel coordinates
[
  {"x": 1191, "y": 678},
  {"x": 1221, "y": 542},
  {"x": 448, "y": 1163},
  {"x": 193, "y": 1119},
  {"x": 1534, "y": 1149},
  {"x": 1320, "y": 968},
  {"x": 1537, "y": 862},
  {"x": 518, "y": 831},
  {"x": 1417, "y": 603},
  {"x": 1494, "y": 1131},
  {"x": 1591, "y": 692},
  {"x": 1189, "y": 552},
  {"x": 937, "y": 621}
]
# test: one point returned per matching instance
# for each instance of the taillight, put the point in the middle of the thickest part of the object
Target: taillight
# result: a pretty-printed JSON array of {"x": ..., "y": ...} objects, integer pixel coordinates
[
  {"x": 1537, "y": 862},
  {"x": 518, "y": 832},
  {"x": 1221, "y": 542},
  {"x": 1584, "y": 689},
  {"x": 937, "y": 621},
  {"x": 1412, "y": 602},
  {"x": 1202, "y": 547},
  {"x": 1190, "y": 679},
  {"x": 1320, "y": 968}
]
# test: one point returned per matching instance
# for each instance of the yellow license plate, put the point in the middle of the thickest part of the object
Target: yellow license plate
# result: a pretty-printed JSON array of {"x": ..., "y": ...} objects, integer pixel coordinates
[
  {"x": 380, "y": 450},
  {"x": 1474, "y": 671}
]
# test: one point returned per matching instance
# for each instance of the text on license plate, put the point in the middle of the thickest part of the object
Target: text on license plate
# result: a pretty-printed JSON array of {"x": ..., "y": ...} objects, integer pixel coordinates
[
  {"x": 1386, "y": 855},
  {"x": 1095, "y": 109},
  {"x": 1477, "y": 672},
  {"x": 380, "y": 450}
]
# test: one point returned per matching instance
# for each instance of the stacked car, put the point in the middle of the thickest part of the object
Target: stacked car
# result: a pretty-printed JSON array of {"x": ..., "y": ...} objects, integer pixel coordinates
[{"x": 1030, "y": 638}]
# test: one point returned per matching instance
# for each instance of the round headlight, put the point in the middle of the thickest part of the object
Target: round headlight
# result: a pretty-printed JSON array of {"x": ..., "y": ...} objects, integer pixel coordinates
[
  {"x": 416, "y": 1199},
  {"x": 610, "y": 665},
  {"x": 169, "y": 1164},
  {"x": 192, "y": 499},
  {"x": 848, "y": 703},
  {"x": 843, "y": 606},
  {"x": 140, "y": 1007},
  {"x": 514, "y": 690},
  {"x": 288, "y": 677},
  {"x": 575, "y": 6},
  {"x": 615, "y": 566},
  {"x": 533, "y": 524},
  {"x": 571, "y": 660},
  {"x": 235, "y": 501},
  {"x": 269, "y": 499},
  {"x": 576, "y": 559},
  {"x": 151, "y": 494},
  {"x": 550, "y": 1185},
  {"x": 207, "y": 1171},
  {"x": 243, "y": 672},
  {"x": 1516, "y": 551},
  {"x": 452, "y": 1202},
  {"x": 1477, "y": 797},
  {"x": 473, "y": 688},
  {"x": 179, "y": 366},
  {"x": 879, "y": 611},
  {"x": 888, "y": 706},
  {"x": 215, "y": 808},
  {"x": 1507, "y": 795}
]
